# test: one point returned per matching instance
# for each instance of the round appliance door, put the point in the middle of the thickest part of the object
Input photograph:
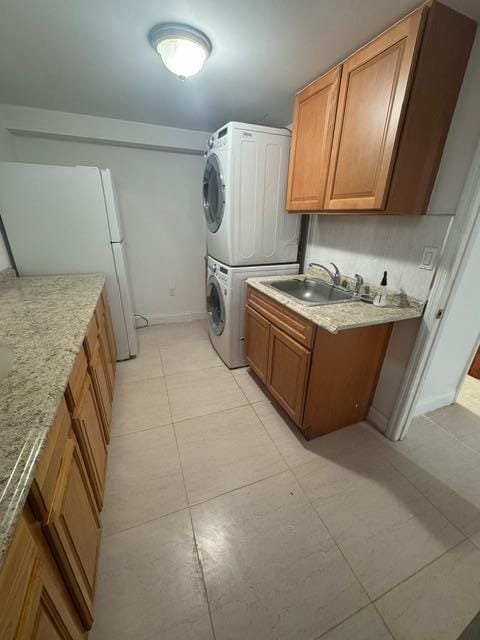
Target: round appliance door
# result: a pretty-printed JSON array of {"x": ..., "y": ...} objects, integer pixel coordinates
[
  {"x": 215, "y": 306},
  {"x": 213, "y": 193}
]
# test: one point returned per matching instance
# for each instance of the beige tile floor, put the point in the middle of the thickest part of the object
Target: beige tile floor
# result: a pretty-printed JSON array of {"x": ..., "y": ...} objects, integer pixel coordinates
[{"x": 222, "y": 523}]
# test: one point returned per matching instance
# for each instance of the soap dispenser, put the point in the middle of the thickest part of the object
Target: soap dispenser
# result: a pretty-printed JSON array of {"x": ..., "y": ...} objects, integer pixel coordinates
[{"x": 381, "y": 297}]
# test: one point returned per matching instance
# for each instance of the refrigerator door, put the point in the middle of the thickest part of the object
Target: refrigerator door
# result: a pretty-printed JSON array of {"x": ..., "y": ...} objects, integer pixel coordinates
[
  {"x": 121, "y": 266},
  {"x": 55, "y": 221},
  {"x": 114, "y": 215}
]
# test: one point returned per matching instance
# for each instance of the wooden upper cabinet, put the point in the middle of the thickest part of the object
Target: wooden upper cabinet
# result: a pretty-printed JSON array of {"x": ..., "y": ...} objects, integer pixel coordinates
[
  {"x": 373, "y": 93},
  {"x": 313, "y": 123},
  {"x": 396, "y": 99}
]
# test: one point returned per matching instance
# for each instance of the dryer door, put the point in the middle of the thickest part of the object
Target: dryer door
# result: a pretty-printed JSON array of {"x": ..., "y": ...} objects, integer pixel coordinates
[
  {"x": 215, "y": 306},
  {"x": 213, "y": 193}
]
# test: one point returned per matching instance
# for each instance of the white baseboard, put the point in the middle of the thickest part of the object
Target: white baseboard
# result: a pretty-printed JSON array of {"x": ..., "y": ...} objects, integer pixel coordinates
[
  {"x": 378, "y": 419},
  {"x": 166, "y": 318},
  {"x": 425, "y": 405}
]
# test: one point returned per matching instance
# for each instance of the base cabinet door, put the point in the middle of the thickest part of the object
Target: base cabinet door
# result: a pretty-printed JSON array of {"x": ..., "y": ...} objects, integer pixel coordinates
[
  {"x": 35, "y": 604},
  {"x": 87, "y": 424},
  {"x": 343, "y": 377},
  {"x": 288, "y": 369},
  {"x": 257, "y": 332},
  {"x": 101, "y": 385},
  {"x": 73, "y": 530}
]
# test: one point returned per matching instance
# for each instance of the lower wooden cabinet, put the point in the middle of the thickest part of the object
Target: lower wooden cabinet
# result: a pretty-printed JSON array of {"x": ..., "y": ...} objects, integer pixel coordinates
[
  {"x": 323, "y": 381},
  {"x": 257, "y": 331},
  {"x": 343, "y": 377},
  {"x": 87, "y": 424},
  {"x": 48, "y": 578},
  {"x": 288, "y": 368},
  {"x": 35, "y": 603},
  {"x": 73, "y": 530},
  {"x": 99, "y": 375}
]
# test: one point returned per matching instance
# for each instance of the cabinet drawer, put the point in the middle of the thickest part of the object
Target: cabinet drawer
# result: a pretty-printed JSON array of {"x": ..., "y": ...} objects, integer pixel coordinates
[
  {"x": 75, "y": 382},
  {"x": 288, "y": 321},
  {"x": 43, "y": 487}
]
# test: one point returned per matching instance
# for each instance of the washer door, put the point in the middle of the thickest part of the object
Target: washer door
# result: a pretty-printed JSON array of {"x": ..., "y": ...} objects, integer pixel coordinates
[
  {"x": 213, "y": 193},
  {"x": 215, "y": 306}
]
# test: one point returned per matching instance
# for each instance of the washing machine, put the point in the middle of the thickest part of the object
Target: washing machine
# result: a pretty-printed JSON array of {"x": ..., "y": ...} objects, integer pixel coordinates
[
  {"x": 226, "y": 297},
  {"x": 244, "y": 194}
]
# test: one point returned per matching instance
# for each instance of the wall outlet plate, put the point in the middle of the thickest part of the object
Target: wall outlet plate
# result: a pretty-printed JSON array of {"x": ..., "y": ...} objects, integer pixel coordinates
[{"x": 429, "y": 258}]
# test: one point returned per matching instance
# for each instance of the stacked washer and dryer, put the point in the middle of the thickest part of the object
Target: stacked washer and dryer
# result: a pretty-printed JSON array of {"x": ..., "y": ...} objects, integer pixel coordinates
[{"x": 249, "y": 233}]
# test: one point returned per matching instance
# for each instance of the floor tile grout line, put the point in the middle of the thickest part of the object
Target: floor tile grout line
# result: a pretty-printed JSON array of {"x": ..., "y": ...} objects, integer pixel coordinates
[
  {"x": 243, "y": 486},
  {"x": 332, "y": 537},
  {"x": 452, "y": 435},
  {"x": 292, "y": 469},
  {"x": 210, "y": 413},
  {"x": 315, "y": 511},
  {"x": 403, "y": 474},
  {"x": 385, "y": 622},
  {"x": 415, "y": 573},
  {"x": 141, "y": 430},
  {"x": 204, "y": 582},
  {"x": 143, "y": 523},
  {"x": 352, "y": 615}
]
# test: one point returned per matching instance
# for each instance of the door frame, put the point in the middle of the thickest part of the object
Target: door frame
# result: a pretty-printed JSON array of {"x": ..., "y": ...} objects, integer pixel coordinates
[{"x": 453, "y": 257}]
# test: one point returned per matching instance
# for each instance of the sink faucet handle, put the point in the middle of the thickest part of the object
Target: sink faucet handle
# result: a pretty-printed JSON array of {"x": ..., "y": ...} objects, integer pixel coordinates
[
  {"x": 338, "y": 276},
  {"x": 359, "y": 282}
]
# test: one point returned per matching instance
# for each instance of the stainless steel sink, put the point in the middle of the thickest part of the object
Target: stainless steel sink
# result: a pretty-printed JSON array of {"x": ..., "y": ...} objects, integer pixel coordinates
[{"x": 314, "y": 292}]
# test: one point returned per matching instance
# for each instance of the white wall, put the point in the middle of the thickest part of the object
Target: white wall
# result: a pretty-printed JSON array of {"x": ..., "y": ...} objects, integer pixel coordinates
[
  {"x": 160, "y": 196},
  {"x": 6, "y": 153},
  {"x": 370, "y": 245},
  {"x": 458, "y": 334}
]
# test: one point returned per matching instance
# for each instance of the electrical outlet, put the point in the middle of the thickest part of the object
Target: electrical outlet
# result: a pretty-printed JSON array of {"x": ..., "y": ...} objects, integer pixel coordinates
[
  {"x": 172, "y": 291},
  {"x": 429, "y": 258}
]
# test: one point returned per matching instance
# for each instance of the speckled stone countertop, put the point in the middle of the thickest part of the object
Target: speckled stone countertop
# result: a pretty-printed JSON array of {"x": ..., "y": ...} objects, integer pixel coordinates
[
  {"x": 43, "y": 321},
  {"x": 341, "y": 316}
]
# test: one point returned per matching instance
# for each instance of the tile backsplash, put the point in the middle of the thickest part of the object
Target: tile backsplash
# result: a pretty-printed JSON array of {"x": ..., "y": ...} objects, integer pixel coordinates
[{"x": 370, "y": 245}]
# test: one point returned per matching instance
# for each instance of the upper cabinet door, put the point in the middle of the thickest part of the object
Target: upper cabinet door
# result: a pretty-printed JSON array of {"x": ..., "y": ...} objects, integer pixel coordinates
[
  {"x": 373, "y": 94},
  {"x": 313, "y": 124}
]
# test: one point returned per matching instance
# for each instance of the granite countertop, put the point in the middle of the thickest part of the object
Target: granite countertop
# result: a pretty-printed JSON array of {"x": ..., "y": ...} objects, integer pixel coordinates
[
  {"x": 43, "y": 321},
  {"x": 344, "y": 315}
]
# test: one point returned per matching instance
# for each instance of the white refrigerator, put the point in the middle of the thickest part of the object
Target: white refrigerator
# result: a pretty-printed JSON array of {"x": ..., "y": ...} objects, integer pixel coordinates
[{"x": 61, "y": 220}]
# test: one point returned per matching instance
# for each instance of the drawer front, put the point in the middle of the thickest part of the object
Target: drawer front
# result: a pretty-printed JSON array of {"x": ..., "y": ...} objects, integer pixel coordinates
[
  {"x": 43, "y": 487},
  {"x": 288, "y": 321},
  {"x": 75, "y": 382}
]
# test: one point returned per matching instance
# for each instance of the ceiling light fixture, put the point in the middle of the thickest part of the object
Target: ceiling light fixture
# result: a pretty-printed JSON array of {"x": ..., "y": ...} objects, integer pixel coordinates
[{"x": 183, "y": 49}]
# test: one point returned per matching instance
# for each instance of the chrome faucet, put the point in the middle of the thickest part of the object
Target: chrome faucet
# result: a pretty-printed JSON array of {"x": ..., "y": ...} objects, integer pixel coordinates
[{"x": 336, "y": 277}]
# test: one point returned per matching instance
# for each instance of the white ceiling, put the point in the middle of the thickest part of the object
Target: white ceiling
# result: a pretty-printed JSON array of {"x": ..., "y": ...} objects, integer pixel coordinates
[{"x": 92, "y": 57}]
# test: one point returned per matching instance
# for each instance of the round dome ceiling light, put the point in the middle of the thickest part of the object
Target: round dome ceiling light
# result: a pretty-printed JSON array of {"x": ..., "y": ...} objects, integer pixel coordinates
[{"x": 183, "y": 49}]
